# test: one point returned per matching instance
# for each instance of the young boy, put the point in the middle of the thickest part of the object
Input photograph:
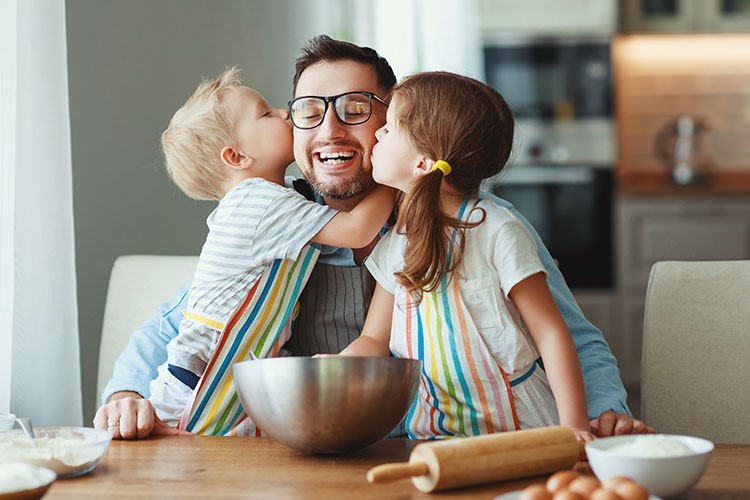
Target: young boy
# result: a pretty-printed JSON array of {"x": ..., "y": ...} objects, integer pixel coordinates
[{"x": 226, "y": 143}]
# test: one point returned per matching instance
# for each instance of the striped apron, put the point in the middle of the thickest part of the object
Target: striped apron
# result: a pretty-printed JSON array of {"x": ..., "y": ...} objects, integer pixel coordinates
[
  {"x": 261, "y": 325},
  {"x": 463, "y": 390}
]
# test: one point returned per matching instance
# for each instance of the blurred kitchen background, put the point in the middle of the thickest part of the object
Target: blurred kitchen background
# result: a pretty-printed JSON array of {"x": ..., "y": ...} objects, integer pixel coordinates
[{"x": 633, "y": 126}]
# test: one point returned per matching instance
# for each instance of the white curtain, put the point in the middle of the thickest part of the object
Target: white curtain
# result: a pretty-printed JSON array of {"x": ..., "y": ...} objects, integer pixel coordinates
[
  {"x": 39, "y": 350},
  {"x": 417, "y": 35}
]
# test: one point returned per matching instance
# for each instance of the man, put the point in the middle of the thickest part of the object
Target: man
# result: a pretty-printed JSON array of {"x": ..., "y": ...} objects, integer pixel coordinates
[{"x": 334, "y": 157}]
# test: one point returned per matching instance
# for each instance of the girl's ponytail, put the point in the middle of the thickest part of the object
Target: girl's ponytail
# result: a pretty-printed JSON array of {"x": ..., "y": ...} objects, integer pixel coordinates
[{"x": 429, "y": 233}]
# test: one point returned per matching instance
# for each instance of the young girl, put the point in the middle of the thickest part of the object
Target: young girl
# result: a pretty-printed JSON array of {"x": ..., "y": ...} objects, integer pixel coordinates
[{"x": 460, "y": 286}]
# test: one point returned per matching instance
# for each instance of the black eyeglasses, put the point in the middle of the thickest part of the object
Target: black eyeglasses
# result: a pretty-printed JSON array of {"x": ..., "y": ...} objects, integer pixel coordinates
[{"x": 351, "y": 108}]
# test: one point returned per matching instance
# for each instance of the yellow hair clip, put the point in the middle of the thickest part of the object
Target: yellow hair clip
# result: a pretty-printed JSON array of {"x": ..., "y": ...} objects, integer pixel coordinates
[{"x": 443, "y": 166}]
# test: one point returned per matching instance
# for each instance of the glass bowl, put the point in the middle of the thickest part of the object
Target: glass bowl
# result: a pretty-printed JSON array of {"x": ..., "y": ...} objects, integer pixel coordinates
[
  {"x": 68, "y": 451},
  {"x": 7, "y": 420}
]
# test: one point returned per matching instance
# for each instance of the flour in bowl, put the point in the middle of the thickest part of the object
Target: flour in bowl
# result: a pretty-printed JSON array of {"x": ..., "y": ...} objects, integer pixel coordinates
[
  {"x": 19, "y": 477},
  {"x": 66, "y": 451},
  {"x": 652, "y": 446}
]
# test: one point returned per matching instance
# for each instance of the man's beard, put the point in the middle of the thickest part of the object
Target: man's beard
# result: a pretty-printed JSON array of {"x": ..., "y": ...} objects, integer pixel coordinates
[
  {"x": 355, "y": 183},
  {"x": 359, "y": 184}
]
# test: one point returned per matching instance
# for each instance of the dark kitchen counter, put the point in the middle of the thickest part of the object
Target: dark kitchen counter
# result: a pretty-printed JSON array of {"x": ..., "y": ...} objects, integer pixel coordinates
[{"x": 724, "y": 184}]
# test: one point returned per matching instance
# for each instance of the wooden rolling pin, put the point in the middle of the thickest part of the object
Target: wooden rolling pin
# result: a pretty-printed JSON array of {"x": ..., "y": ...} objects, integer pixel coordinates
[{"x": 456, "y": 462}]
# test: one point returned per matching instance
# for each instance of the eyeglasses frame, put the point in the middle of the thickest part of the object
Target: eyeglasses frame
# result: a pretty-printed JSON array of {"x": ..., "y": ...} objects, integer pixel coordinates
[{"x": 332, "y": 99}]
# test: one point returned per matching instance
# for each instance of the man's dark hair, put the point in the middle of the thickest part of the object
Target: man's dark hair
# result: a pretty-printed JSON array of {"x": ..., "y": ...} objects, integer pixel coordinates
[{"x": 325, "y": 48}]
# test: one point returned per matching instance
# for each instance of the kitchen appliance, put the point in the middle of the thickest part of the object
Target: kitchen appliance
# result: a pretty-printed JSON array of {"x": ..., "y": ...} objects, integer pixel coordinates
[
  {"x": 566, "y": 78},
  {"x": 570, "y": 206},
  {"x": 560, "y": 176},
  {"x": 453, "y": 463},
  {"x": 678, "y": 146}
]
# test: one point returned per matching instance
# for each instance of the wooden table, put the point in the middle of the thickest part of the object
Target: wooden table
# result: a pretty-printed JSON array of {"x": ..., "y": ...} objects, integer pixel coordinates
[{"x": 222, "y": 467}]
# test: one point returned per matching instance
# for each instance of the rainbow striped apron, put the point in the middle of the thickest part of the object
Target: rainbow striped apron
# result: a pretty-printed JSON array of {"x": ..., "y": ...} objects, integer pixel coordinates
[
  {"x": 463, "y": 390},
  {"x": 261, "y": 325}
]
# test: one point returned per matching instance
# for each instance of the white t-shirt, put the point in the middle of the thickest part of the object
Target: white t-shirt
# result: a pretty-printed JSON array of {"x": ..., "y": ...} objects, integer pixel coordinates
[{"x": 498, "y": 254}]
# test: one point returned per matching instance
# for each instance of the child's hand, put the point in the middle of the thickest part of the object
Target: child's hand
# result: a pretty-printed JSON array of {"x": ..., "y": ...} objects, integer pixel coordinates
[{"x": 583, "y": 436}]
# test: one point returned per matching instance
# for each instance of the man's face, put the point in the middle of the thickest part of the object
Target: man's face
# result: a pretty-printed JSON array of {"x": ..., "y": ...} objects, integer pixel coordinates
[{"x": 335, "y": 157}]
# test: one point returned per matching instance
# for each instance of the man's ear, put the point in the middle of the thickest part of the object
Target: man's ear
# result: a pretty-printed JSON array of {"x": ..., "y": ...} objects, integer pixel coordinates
[
  {"x": 423, "y": 167},
  {"x": 234, "y": 159}
]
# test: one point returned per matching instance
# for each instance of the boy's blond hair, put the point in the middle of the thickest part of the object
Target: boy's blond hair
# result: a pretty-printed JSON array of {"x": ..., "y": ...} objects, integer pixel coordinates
[{"x": 196, "y": 134}]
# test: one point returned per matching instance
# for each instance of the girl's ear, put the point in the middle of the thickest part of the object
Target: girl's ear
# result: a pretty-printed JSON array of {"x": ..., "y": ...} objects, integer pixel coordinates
[
  {"x": 424, "y": 166},
  {"x": 234, "y": 159}
]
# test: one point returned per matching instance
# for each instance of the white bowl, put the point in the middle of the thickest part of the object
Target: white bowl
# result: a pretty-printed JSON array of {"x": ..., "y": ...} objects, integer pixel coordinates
[
  {"x": 21, "y": 481},
  {"x": 68, "y": 451},
  {"x": 665, "y": 476}
]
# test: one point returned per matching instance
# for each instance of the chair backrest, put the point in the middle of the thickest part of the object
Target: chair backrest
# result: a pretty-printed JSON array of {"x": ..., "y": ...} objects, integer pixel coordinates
[
  {"x": 137, "y": 285},
  {"x": 696, "y": 350}
]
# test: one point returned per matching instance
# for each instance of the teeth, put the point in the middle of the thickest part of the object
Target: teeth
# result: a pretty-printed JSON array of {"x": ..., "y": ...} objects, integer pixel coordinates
[
  {"x": 336, "y": 158},
  {"x": 334, "y": 161}
]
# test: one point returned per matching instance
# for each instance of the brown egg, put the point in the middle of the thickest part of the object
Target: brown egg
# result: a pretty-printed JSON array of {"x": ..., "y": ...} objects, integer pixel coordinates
[
  {"x": 630, "y": 490},
  {"x": 535, "y": 492},
  {"x": 560, "y": 480},
  {"x": 566, "y": 494},
  {"x": 584, "y": 485},
  {"x": 612, "y": 482},
  {"x": 602, "y": 494}
]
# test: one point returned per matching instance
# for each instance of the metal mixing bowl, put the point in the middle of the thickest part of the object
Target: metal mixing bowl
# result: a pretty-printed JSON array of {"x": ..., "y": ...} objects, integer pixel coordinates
[{"x": 331, "y": 404}]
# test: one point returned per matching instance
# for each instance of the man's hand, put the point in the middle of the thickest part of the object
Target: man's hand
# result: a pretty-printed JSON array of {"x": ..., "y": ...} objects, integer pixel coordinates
[
  {"x": 610, "y": 423},
  {"x": 128, "y": 415}
]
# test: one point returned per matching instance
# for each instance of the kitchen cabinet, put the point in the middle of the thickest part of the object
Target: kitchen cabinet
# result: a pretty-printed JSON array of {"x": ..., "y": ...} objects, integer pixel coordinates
[
  {"x": 684, "y": 16},
  {"x": 547, "y": 17},
  {"x": 650, "y": 228},
  {"x": 599, "y": 308},
  {"x": 630, "y": 310},
  {"x": 617, "y": 318},
  {"x": 673, "y": 225}
]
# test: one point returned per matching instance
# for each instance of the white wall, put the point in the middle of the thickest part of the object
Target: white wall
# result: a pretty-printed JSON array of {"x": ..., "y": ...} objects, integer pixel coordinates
[{"x": 131, "y": 65}]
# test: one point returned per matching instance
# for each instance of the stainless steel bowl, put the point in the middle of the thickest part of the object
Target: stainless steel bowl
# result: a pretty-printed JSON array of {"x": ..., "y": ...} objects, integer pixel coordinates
[{"x": 327, "y": 405}]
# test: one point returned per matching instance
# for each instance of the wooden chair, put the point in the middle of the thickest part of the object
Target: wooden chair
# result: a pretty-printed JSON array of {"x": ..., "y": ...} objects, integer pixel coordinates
[
  {"x": 137, "y": 285},
  {"x": 695, "y": 376}
]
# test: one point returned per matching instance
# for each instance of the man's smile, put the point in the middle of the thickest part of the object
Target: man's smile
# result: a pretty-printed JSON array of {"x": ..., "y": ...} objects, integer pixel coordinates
[{"x": 335, "y": 158}]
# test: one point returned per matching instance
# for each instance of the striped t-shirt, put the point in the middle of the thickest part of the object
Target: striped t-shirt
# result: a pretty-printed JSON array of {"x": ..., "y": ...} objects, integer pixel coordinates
[{"x": 256, "y": 223}]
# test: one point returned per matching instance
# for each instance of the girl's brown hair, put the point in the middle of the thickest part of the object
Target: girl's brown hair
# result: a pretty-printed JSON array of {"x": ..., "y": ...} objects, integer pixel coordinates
[{"x": 468, "y": 124}]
